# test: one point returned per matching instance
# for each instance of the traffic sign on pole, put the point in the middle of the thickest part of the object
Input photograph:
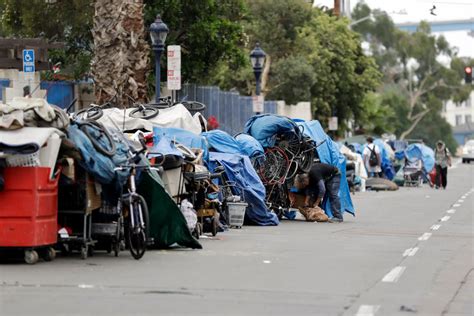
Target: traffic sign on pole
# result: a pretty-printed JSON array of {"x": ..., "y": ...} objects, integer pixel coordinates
[
  {"x": 174, "y": 67},
  {"x": 28, "y": 60},
  {"x": 333, "y": 123}
]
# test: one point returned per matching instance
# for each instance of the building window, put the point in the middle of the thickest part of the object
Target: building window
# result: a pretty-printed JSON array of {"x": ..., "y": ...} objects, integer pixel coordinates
[
  {"x": 468, "y": 118},
  {"x": 458, "y": 120}
]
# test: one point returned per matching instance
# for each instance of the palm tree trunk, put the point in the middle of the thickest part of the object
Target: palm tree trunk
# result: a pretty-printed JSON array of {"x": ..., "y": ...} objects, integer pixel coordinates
[{"x": 120, "y": 61}]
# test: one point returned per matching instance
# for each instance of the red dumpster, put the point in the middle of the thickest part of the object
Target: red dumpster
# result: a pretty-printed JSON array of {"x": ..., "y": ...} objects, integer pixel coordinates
[{"x": 28, "y": 210}]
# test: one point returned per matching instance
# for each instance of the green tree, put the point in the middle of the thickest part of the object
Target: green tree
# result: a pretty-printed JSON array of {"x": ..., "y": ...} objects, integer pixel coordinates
[
  {"x": 411, "y": 66},
  {"x": 209, "y": 32},
  {"x": 69, "y": 21}
]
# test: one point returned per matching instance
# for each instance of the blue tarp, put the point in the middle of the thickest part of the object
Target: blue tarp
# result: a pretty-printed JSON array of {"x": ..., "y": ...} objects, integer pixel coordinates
[
  {"x": 238, "y": 168},
  {"x": 184, "y": 137},
  {"x": 249, "y": 146},
  {"x": 98, "y": 165},
  {"x": 221, "y": 142},
  {"x": 419, "y": 151},
  {"x": 164, "y": 146},
  {"x": 266, "y": 127},
  {"x": 328, "y": 152}
]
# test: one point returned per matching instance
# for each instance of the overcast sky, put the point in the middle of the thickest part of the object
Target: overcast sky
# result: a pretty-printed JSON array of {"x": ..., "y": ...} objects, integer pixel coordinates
[{"x": 417, "y": 10}]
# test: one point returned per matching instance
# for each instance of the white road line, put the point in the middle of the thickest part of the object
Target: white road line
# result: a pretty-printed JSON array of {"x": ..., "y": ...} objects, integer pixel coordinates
[
  {"x": 451, "y": 211},
  {"x": 456, "y": 205},
  {"x": 445, "y": 218},
  {"x": 435, "y": 227},
  {"x": 425, "y": 236},
  {"x": 86, "y": 286},
  {"x": 394, "y": 275},
  {"x": 367, "y": 310},
  {"x": 410, "y": 252},
  {"x": 460, "y": 200}
]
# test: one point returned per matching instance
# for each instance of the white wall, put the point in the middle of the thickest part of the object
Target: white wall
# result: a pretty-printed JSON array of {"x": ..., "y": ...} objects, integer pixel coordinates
[
  {"x": 462, "y": 110},
  {"x": 18, "y": 80},
  {"x": 302, "y": 110}
]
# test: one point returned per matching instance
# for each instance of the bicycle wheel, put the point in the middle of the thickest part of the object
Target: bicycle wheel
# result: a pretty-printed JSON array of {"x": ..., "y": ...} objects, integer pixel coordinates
[
  {"x": 102, "y": 132},
  {"x": 145, "y": 112},
  {"x": 194, "y": 106},
  {"x": 138, "y": 233},
  {"x": 93, "y": 113}
]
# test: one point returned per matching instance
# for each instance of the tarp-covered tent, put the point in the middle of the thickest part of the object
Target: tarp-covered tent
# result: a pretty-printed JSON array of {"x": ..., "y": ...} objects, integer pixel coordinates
[
  {"x": 329, "y": 153},
  {"x": 221, "y": 142},
  {"x": 266, "y": 127},
  {"x": 238, "y": 168},
  {"x": 419, "y": 151},
  {"x": 249, "y": 146},
  {"x": 167, "y": 224}
]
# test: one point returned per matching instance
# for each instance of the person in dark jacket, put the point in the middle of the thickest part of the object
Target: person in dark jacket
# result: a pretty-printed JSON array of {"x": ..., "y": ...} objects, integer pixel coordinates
[{"x": 320, "y": 179}]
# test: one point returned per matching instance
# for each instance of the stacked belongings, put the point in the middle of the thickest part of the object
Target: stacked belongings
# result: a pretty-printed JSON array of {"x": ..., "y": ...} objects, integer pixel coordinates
[
  {"x": 288, "y": 151},
  {"x": 227, "y": 152},
  {"x": 167, "y": 225},
  {"x": 30, "y": 138},
  {"x": 418, "y": 164}
]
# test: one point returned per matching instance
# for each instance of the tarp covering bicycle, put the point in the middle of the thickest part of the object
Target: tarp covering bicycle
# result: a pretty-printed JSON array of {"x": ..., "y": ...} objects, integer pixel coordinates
[
  {"x": 421, "y": 152},
  {"x": 329, "y": 153}
]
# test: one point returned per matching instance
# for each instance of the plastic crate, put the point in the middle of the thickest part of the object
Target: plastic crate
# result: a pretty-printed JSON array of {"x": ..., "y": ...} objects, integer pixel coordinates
[
  {"x": 28, "y": 207},
  {"x": 236, "y": 213}
]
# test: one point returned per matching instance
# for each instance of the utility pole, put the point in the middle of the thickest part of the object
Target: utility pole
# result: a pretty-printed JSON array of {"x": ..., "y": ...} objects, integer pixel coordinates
[{"x": 337, "y": 7}]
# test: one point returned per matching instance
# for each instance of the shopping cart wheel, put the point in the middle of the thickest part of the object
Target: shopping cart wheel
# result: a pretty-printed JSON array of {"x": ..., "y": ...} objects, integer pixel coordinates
[
  {"x": 49, "y": 254},
  {"x": 84, "y": 252},
  {"x": 31, "y": 256}
]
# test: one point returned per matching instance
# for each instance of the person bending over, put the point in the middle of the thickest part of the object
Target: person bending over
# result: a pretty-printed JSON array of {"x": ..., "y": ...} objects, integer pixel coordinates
[{"x": 321, "y": 178}]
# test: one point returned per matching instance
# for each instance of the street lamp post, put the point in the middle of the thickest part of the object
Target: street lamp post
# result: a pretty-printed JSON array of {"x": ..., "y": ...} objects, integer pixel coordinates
[
  {"x": 257, "y": 57},
  {"x": 158, "y": 33}
]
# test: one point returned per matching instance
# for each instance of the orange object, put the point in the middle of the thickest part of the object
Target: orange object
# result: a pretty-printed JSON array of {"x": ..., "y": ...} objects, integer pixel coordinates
[{"x": 28, "y": 207}]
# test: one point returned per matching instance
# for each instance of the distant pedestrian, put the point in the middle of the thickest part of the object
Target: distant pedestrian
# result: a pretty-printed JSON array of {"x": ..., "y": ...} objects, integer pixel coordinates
[
  {"x": 320, "y": 179},
  {"x": 442, "y": 162},
  {"x": 372, "y": 158}
]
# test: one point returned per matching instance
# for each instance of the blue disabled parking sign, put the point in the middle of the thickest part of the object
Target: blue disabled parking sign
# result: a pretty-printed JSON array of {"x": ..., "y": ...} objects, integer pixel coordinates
[{"x": 28, "y": 60}]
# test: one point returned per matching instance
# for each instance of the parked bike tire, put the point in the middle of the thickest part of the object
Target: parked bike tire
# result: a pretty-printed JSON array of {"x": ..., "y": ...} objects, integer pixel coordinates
[
  {"x": 138, "y": 236},
  {"x": 194, "y": 106},
  {"x": 306, "y": 161},
  {"x": 145, "y": 113},
  {"x": 91, "y": 114},
  {"x": 97, "y": 145}
]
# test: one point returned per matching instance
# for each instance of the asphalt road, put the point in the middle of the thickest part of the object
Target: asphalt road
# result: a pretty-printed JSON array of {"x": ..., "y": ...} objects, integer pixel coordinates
[{"x": 407, "y": 252}]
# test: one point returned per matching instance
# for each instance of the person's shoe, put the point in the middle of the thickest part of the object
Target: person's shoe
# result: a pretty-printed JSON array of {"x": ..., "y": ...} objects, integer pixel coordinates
[{"x": 335, "y": 220}]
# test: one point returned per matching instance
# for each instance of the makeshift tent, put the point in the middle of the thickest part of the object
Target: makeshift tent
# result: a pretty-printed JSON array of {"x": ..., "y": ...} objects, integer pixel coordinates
[
  {"x": 386, "y": 154},
  {"x": 419, "y": 151},
  {"x": 266, "y": 127},
  {"x": 238, "y": 169},
  {"x": 221, "y": 142},
  {"x": 329, "y": 153},
  {"x": 249, "y": 146},
  {"x": 167, "y": 224},
  {"x": 184, "y": 137}
]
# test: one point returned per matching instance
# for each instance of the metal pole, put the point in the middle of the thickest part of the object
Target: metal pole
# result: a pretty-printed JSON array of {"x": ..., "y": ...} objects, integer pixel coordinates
[
  {"x": 158, "y": 49},
  {"x": 258, "y": 72}
]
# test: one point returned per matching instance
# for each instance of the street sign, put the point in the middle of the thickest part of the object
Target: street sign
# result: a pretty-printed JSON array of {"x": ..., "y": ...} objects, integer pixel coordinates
[
  {"x": 28, "y": 60},
  {"x": 258, "y": 103},
  {"x": 333, "y": 126},
  {"x": 174, "y": 67}
]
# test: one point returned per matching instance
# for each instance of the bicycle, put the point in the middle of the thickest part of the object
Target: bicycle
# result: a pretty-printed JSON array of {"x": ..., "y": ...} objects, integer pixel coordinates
[{"x": 137, "y": 220}]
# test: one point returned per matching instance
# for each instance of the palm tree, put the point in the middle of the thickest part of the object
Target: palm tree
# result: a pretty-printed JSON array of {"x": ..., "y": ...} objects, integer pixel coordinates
[{"x": 120, "y": 61}]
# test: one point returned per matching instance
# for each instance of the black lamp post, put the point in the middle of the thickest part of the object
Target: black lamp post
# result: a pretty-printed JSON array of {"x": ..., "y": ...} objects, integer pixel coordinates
[
  {"x": 257, "y": 57},
  {"x": 158, "y": 33}
]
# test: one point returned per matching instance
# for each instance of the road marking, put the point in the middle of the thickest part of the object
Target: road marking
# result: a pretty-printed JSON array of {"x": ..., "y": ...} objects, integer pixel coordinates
[
  {"x": 451, "y": 211},
  {"x": 86, "y": 286},
  {"x": 394, "y": 275},
  {"x": 367, "y": 310},
  {"x": 425, "y": 236},
  {"x": 456, "y": 205},
  {"x": 435, "y": 227},
  {"x": 460, "y": 200},
  {"x": 410, "y": 252},
  {"x": 445, "y": 218},
  {"x": 267, "y": 261}
]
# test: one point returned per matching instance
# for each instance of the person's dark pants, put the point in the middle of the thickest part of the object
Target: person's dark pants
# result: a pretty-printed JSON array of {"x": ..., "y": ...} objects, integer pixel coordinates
[
  {"x": 332, "y": 187},
  {"x": 441, "y": 176}
]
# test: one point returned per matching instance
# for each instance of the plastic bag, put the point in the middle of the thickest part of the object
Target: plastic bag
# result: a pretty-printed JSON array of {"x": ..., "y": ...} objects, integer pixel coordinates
[{"x": 189, "y": 213}]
